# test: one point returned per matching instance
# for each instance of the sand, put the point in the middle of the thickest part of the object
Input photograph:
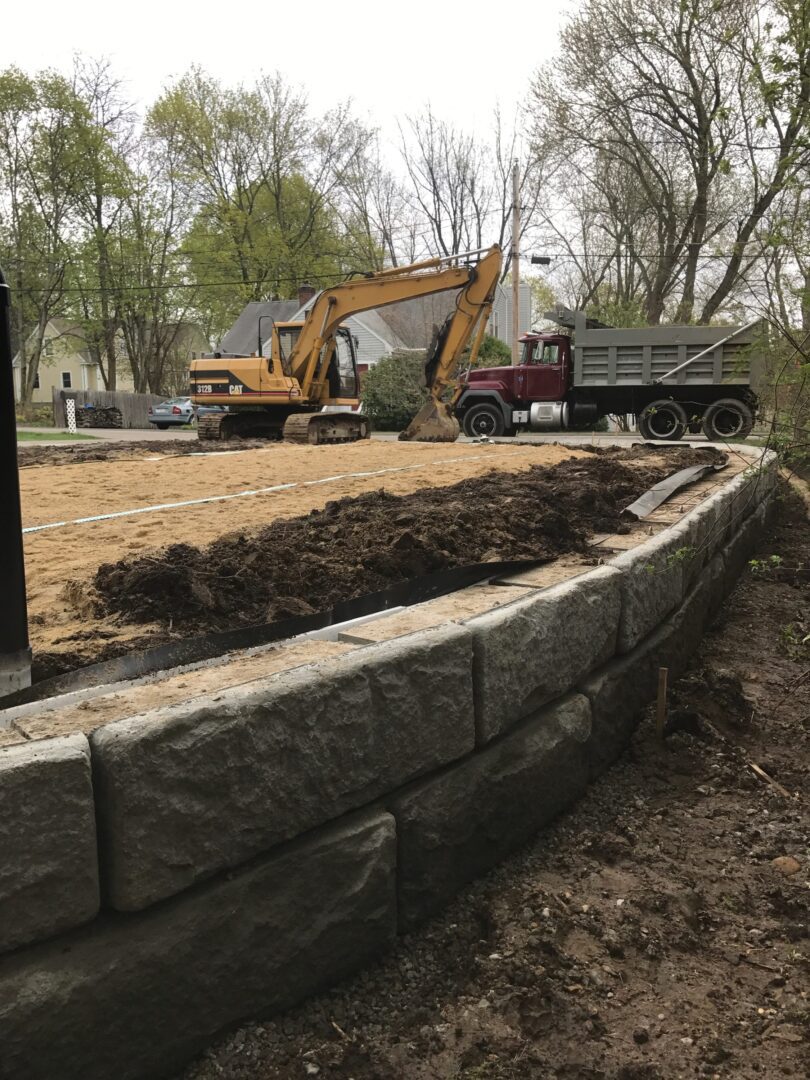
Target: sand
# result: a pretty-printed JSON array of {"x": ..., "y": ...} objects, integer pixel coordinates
[{"x": 60, "y": 561}]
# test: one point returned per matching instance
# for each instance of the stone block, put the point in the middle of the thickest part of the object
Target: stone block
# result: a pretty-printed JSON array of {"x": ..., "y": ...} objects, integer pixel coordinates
[
  {"x": 454, "y": 826},
  {"x": 620, "y": 691},
  {"x": 748, "y": 489},
  {"x": 742, "y": 545},
  {"x": 189, "y": 790},
  {"x": 136, "y": 996},
  {"x": 48, "y": 854},
  {"x": 652, "y": 582},
  {"x": 536, "y": 649}
]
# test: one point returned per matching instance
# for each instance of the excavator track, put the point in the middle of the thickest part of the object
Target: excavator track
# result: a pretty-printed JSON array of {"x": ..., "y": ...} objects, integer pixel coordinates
[
  {"x": 250, "y": 424},
  {"x": 208, "y": 427},
  {"x": 318, "y": 429}
]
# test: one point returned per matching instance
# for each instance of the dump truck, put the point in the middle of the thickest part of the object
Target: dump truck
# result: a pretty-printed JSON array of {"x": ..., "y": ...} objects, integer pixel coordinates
[
  {"x": 306, "y": 388},
  {"x": 674, "y": 379}
]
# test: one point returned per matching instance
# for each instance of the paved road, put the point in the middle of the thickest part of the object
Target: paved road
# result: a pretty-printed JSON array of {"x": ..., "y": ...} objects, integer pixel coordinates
[
  {"x": 612, "y": 438},
  {"x": 111, "y": 435}
]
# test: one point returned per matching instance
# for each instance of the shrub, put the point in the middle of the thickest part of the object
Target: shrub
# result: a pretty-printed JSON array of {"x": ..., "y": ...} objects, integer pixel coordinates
[
  {"x": 493, "y": 353},
  {"x": 394, "y": 389}
]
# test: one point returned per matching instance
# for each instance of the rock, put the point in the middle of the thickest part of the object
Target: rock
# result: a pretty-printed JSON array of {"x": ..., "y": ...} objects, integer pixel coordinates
[
  {"x": 531, "y": 651},
  {"x": 652, "y": 583},
  {"x": 191, "y": 789},
  {"x": 786, "y": 865},
  {"x": 454, "y": 826},
  {"x": 48, "y": 851},
  {"x": 641, "y": 1036},
  {"x": 166, "y": 980}
]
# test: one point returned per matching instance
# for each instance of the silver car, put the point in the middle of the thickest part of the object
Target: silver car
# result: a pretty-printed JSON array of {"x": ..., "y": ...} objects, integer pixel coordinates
[{"x": 172, "y": 413}]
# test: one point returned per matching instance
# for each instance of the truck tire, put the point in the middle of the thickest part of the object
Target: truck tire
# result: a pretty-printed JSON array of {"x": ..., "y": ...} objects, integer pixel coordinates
[
  {"x": 728, "y": 418},
  {"x": 663, "y": 421},
  {"x": 483, "y": 419}
]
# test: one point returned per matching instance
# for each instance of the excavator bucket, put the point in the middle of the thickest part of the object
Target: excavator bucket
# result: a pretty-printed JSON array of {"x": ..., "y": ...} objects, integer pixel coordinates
[{"x": 433, "y": 423}]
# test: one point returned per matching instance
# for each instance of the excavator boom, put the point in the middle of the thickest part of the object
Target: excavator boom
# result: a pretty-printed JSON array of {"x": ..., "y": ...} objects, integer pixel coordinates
[{"x": 434, "y": 421}]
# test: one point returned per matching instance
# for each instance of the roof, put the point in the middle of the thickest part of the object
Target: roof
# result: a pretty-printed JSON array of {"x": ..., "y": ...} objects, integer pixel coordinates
[
  {"x": 374, "y": 320},
  {"x": 376, "y": 324},
  {"x": 243, "y": 336},
  {"x": 64, "y": 328}
]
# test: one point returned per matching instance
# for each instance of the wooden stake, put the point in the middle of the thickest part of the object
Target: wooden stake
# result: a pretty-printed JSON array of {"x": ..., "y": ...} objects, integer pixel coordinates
[{"x": 661, "y": 710}]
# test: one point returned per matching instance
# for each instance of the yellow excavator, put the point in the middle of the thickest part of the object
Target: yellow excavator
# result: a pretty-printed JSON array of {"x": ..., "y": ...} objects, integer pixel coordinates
[{"x": 306, "y": 389}]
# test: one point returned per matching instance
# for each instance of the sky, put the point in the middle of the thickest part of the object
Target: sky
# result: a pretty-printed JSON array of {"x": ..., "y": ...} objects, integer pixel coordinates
[{"x": 390, "y": 59}]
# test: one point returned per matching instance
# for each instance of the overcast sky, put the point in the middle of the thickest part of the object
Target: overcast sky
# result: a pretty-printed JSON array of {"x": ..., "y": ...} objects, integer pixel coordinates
[{"x": 389, "y": 58}]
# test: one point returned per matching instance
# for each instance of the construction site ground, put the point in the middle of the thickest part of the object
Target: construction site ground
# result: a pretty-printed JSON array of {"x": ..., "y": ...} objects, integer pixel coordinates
[
  {"x": 659, "y": 930},
  {"x": 335, "y": 523}
]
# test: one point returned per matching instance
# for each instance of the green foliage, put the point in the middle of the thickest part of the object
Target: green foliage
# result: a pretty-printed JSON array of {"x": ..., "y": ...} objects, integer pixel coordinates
[
  {"x": 796, "y": 639},
  {"x": 394, "y": 390},
  {"x": 493, "y": 353},
  {"x": 764, "y": 566}
]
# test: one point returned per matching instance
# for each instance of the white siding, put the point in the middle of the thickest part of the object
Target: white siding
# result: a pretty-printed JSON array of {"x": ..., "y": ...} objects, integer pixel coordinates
[
  {"x": 370, "y": 348},
  {"x": 500, "y": 321}
]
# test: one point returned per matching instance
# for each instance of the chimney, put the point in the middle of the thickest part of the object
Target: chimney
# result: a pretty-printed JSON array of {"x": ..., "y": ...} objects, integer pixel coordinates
[{"x": 305, "y": 293}]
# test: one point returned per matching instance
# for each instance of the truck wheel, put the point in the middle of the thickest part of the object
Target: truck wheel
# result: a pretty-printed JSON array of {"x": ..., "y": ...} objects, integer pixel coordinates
[
  {"x": 483, "y": 420},
  {"x": 728, "y": 418},
  {"x": 663, "y": 421}
]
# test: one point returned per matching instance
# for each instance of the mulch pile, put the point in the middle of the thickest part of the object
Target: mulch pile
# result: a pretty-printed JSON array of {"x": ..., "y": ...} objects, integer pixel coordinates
[{"x": 361, "y": 545}]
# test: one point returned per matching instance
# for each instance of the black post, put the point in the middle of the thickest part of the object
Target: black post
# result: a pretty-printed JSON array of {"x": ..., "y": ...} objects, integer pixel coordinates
[{"x": 15, "y": 655}]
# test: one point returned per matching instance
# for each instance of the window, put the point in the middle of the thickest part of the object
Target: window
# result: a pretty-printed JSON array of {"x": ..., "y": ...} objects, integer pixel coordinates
[
  {"x": 66, "y": 380},
  {"x": 287, "y": 338},
  {"x": 545, "y": 353},
  {"x": 47, "y": 348},
  {"x": 36, "y": 381}
]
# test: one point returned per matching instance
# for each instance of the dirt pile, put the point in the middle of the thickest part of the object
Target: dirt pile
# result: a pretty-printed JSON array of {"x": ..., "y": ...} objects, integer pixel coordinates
[
  {"x": 360, "y": 545},
  {"x": 659, "y": 930},
  {"x": 75, "y": 453}
]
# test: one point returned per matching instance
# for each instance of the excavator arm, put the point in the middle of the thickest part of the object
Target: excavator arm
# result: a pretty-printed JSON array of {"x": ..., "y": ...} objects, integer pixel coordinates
[
  {"x": 468, "y": 323},
  {"x": 476, "y": 283}
]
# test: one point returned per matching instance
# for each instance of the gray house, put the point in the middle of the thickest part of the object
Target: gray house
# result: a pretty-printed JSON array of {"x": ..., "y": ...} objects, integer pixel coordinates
[
  {"x": 243, "y": 337},
  {"x": 374, "y": 336}
]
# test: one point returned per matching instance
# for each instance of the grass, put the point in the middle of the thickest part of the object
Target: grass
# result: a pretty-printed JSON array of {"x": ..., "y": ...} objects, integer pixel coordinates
[{"x": 51, "y": 436}]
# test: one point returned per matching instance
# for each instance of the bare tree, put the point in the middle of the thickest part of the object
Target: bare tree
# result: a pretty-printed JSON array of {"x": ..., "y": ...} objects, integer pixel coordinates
[
  {"x": 699, "y": 107},
  {"x": 460, "y": 187}
]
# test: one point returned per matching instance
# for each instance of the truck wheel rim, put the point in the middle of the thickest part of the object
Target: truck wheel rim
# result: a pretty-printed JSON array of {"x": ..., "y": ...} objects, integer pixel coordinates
[
  {"x": 727, "y": 422},
  {"x": 662, "y": 422},
  {"x": 483, "y": 424}
]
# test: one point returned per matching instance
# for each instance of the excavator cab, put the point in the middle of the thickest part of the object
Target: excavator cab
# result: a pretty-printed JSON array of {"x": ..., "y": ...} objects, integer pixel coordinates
[{"x": 342, "y": 371}]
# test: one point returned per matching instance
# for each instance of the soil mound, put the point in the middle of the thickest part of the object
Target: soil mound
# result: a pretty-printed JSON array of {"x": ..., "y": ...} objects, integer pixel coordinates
[
  {"x": 76, "y": 453},
  {"x": 360, "y": 545}
]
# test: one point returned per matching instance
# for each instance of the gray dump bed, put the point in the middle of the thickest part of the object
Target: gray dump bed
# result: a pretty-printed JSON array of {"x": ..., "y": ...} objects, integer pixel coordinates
[{"x": 622, "y": 357}]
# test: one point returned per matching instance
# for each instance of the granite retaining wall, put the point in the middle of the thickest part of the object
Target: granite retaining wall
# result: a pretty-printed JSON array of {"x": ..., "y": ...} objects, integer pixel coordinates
[{"x": 180, "y": 868}]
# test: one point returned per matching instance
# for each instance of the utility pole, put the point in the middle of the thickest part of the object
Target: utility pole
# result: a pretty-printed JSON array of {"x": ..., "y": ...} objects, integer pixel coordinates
[
  {"x": 15, "y": 654},
  {"x": 515, "y": 262}
]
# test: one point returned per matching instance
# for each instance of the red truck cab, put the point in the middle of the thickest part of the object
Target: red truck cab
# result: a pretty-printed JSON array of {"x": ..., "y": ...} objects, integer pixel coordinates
[{"x": 494, "y": 401}]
